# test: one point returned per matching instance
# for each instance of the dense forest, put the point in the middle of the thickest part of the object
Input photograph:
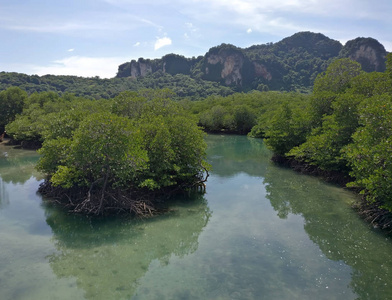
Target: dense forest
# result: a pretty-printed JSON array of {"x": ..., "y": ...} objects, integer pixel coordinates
[
  {"x": 97, "y": 88},
  {"x": 109, "y": 156},
  {"x": 341, "y": 131}
]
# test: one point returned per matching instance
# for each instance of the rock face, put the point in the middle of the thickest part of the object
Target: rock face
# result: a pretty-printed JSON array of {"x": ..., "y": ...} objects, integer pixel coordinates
[
  {"x": 140, "y": 68},
  {"x": 368, "y": 52},
  {"x": 171, "y": 64},
  {"x": 261, "y": 71},
  {"x": 135, "y": 68},
  {"x": 225, "y": 64},
  {"x": 290, "y": 64}
]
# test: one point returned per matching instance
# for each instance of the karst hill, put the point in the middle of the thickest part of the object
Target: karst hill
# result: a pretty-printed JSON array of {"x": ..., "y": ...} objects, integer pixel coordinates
[{"x": 293, "y": 63}]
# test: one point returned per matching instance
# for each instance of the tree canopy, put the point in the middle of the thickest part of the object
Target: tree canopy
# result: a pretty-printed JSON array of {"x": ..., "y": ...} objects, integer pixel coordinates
[
  {"x": 346, "y": 128},
  {"x": 113, "y": 156}
]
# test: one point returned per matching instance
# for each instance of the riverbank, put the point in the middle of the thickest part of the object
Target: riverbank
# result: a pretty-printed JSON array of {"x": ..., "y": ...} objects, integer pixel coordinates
[
  {"x": 371, "y": 212},
  {"x": 335, "y": 177},
  {"x": 101, "y": 201},
  {"x": 28, "y": 145}
]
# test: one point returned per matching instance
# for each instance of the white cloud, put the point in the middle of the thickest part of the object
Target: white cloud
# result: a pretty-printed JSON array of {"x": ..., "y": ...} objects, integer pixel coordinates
[
  {"x": 249, "y": 30},
  {"x": 76, "y": 25},
  {"x": 71, "y": 50},
  {"x": 137, "y": 44},
  {"x": 191, "y": 27},
  {"x": 104, "y": 67},
  {"x": 162, "y": 42},
  {"x": 285, "y": 17}
]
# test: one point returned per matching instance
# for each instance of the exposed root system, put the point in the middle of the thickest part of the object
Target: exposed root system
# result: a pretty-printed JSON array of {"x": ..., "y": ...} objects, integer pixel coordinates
[
  {"x": 336, "y": 177},
  {"x": 99, "y": 202},
  {"x": 108, "y": 201},
  {"x": 30, "y": 145},
  {"x": 370, "y": 212},
  {"x": 374, "y": 214}
]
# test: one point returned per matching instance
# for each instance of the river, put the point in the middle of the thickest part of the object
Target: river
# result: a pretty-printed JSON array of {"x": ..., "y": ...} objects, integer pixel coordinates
[{"x": 259, "y": 232}]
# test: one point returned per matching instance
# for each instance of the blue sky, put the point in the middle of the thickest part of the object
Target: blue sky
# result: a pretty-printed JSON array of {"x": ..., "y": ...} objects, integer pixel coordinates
[{"x": 92, "y": 37}]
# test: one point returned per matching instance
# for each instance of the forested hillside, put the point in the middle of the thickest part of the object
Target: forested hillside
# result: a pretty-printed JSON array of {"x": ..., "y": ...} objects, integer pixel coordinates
[
  {"x": 96, "y": 88},
  {"x": 291, "y": 64}
]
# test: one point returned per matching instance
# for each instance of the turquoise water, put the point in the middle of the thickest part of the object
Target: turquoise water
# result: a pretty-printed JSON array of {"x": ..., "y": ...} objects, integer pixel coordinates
[{"x": 260, "y": 232}]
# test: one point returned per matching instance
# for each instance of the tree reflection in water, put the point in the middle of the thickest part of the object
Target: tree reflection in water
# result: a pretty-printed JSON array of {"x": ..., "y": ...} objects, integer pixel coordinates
[
  {"x": 231, "y": 155},
  {"x": 337, "y": 230},
  {"x": 17, "y": 165},
  {"x": 109, "y": 256}
]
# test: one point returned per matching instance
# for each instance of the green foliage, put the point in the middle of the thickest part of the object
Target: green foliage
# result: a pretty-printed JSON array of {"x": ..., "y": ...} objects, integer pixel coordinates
[
  {"x": 128, "y": 104},
  {"x": 95, "y": 88},
  {"x": 337, "y": 77},
  {"x": 29, "y": 125},
  {"x": 47, "y": 115},
  {"x": 333, "y": 116},
  {"x": 320, "y": 106},
  {"x": 236, "y": 113},
  {"x": 146, "y": 141},
  {"x": 388, "y": 70},
  {"x": 176, "y": 150},
  {"x": 215, "y": 119},
  {"x": 54, "y": 153},
  {"x": 12, "y": 101},
  {"x": 370, "y": 84},
  {"x": 105, "y": 149},
  {"x": 322, "y": 148},
  {"x": 370, "y": 154},
  {"x": 244, "y": 119},
  {"x": 271, "y": 105},
  {"x": 346, "y": 128},
  {"x": 286, "y": 129}
]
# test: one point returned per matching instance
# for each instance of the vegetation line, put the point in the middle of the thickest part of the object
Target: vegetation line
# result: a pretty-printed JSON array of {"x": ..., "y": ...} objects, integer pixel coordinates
[
  {"x": 146, "y": 142},
  {"x": 344, "y": 128}
]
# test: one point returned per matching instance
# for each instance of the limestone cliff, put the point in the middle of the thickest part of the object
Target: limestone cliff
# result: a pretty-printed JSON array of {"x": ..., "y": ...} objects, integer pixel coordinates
[
  {"x": 171, "y": 64},
  {"x": 291, "y": 64},
  {"x": 368, "y": 52},
  {"x": 224, "y": 64},
  {"x": 261, "y": 71},
  {"x": 231, "y": 66},
  {"x": 134, "y": 68}
]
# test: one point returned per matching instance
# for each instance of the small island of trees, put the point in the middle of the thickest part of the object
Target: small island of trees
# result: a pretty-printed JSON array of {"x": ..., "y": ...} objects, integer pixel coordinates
[{"x": 106, "y": 157}]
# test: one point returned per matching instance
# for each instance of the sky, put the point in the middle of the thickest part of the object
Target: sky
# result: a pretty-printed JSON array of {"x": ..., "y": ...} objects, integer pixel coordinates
[{"x": 93, "y": 37}]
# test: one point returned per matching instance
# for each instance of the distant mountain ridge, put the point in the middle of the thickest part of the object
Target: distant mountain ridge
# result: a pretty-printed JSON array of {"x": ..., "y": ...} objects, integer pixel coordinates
[{"x": 290, "y": 64}]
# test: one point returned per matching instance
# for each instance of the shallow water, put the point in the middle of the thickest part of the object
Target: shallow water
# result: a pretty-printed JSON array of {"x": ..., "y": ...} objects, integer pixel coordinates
[{"x": 260, "y": 232}]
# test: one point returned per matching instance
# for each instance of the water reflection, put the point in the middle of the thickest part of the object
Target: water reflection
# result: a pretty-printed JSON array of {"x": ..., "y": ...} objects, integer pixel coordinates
[
  {"x": 339, "y": 233},
  {"x": 274, "y": 234},
  {"x": 17, "y": 165},
  {"x": 229, "y": 157},
  {"x": 108, "y": 257}
]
